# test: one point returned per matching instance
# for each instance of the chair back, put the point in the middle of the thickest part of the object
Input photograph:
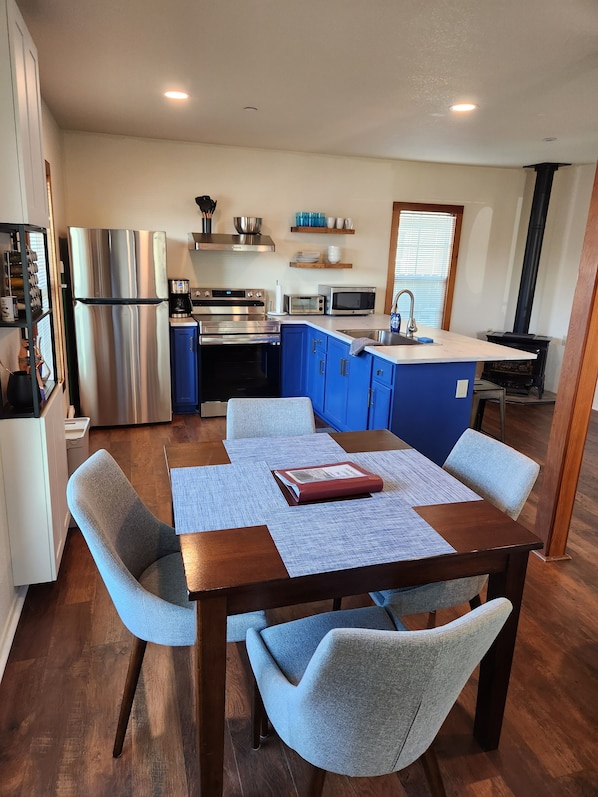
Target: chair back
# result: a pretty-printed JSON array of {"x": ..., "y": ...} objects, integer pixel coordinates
[
  {"x": 269, "y": 417},
  {"x": 125, "y": 540},
  {"x": 371, "y": 702},
  {"x": 497, "y": 472}
]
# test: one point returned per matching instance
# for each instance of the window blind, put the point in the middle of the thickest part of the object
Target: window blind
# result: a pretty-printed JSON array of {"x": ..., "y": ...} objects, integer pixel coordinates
[{"x": 422, "y": 261}]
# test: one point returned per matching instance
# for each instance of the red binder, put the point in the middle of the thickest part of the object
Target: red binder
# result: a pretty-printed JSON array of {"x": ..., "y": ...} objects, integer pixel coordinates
[{"x": 335, "y": 480}]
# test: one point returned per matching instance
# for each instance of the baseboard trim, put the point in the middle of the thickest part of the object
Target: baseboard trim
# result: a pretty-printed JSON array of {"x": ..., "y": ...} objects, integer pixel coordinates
[{"x": 10, "y": 628}]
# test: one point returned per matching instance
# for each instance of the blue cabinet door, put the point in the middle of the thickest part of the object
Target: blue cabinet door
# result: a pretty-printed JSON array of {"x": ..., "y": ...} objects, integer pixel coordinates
[
  {"x": 184, "y": 368},
  {"x": 347, "y": 387},
  {"x": 316, "y": 344},
  {"x": 293, "y": 359},
  {"x": 380, "y": 403}
]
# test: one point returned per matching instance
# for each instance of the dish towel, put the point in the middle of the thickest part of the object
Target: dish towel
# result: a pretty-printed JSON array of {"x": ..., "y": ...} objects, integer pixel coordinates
[{"x": 359, "y": 344}]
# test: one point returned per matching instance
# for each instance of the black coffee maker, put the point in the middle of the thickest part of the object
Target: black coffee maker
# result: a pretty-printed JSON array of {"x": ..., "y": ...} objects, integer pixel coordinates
[{"x": 179, "y": 299}]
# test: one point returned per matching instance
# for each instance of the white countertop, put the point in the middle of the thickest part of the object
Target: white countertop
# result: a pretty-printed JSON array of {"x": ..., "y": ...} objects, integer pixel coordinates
[{"x": 447, "y": 346}]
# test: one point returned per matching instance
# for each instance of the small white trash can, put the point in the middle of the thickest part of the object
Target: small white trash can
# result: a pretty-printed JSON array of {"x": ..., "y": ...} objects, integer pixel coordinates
[{"x": 76, "y": 431}]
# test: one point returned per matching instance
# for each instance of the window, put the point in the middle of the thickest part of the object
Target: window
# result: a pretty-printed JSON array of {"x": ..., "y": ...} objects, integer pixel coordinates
[{"x": 424, "y": 247}]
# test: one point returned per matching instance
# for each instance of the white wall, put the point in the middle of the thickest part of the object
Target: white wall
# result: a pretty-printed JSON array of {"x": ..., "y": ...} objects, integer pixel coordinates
[
  {"x": 140, "y": 183},
  {"x": 127, "y": 182}
]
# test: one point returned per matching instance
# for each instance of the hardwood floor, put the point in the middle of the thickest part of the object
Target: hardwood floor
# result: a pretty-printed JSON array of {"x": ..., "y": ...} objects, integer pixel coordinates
[{"x": 62, "y": 686}]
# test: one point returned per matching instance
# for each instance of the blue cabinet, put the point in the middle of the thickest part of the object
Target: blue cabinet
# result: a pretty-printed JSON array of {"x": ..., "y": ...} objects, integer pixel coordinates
[
  {"x": 381, "y": 394},
  {"x": 347, "y": 387},
  {"x": 428, "y": 410},
  {"x": 184, "y": 368},
  {"x": 293, "y": 360},
  {"x": 316, "y": 348}
]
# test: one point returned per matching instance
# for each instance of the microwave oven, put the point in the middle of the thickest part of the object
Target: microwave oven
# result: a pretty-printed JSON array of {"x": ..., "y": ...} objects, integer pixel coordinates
[
  {"x": 295, "y": 304},
  {"x": 348, "y": 299}
]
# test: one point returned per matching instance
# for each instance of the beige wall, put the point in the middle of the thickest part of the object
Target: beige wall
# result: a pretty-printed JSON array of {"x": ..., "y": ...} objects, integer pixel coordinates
[
  {"x": 140, "y": 183},
  {"x": 125, "y": 182}
]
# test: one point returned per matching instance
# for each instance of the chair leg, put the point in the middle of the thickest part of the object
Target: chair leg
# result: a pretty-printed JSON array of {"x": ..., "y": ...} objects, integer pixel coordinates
[
  {"x": 259, "y": 718},
  {"x": 316, "y": 785},
  {"x": 431, "y": 619},
  {"x": 475, "y": 602},
  {"x": 135, "y": 662},
  {"x": 432, "y": 772}
]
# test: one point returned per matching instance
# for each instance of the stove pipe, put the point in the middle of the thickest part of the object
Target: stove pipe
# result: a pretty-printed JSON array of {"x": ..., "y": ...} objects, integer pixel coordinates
[{"x": 533, "y": 244}]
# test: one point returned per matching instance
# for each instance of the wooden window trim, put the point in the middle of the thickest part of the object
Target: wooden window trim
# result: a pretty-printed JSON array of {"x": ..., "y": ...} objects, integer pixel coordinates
[{"x": 457, "y": 212}]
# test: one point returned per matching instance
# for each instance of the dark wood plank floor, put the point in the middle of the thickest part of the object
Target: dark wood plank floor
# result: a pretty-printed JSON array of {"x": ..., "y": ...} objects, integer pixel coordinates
[{"x": 61, "y": 690}]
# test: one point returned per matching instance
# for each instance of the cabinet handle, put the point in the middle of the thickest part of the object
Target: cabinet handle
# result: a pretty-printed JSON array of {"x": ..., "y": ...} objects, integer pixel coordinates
[
  {"x": 370, "y": 397},
  {"x": 342, "y": 366},
  {"x": 321, "y": 367},
  {"x": 314, "y": 343},
  {"x": 379, "y": 371},
  {"x": 191, "y": 344}
]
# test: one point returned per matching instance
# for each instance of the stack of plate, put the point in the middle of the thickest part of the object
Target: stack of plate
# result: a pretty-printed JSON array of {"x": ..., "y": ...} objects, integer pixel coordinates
[{"x": 307, "y": 257}]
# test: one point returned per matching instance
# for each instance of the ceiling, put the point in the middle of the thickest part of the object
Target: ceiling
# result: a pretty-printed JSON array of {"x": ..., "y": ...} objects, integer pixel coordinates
[{"x": 372, "y": 78}]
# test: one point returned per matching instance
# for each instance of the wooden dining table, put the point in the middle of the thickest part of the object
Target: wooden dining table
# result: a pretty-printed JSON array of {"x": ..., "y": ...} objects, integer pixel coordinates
[{"x": 230, "y": 571}]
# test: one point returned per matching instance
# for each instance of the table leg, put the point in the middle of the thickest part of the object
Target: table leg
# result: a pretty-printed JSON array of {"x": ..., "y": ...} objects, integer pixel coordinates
[
  {"x": 495, "y": 668},
  {"x": 210, "y": 694}
]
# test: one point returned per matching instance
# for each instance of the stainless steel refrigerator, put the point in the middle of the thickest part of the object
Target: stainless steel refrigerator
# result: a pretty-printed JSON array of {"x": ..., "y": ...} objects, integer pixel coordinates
[{"x": 120, "y": 301}]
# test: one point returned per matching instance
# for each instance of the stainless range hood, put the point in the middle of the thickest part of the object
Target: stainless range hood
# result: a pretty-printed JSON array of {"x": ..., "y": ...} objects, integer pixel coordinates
[{"x": 217, "y": 242}]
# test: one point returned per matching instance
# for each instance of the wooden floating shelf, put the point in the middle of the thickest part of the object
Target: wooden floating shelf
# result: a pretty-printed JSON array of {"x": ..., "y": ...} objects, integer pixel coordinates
[
  {"x": 324, "y": 230},
  {"x": 294, "y": 264}
]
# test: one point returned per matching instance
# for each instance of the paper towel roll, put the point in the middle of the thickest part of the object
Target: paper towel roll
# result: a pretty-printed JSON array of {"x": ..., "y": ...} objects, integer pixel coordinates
[{"x": 278, "y": 301}]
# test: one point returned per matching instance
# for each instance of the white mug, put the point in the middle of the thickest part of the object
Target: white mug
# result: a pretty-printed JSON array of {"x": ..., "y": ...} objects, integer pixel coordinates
[
  {"x": 340, "y": 223},
  {"x": 330, "y": 222},
  {"x": 7, "y": 304},
  {"x": 348, "y": 224},
  {"x": 334, "y": 254}
]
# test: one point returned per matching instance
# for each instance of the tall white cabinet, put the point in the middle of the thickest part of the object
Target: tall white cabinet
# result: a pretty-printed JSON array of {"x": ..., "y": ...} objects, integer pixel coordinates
[
  {"x": 23, "y": 198},
  {"x": 32, "y": 445}
]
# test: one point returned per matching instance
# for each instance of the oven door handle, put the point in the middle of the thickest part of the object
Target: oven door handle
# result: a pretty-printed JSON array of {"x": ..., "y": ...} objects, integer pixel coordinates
[{"x": 239, "y": 340}]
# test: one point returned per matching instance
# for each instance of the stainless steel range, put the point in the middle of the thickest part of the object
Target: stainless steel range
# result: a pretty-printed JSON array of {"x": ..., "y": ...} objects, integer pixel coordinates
[{"x": 239, "y": 347}]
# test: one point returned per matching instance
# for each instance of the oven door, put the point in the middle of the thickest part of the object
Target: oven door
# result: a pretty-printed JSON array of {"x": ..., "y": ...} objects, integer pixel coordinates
[{"x": 237, "y": 366}]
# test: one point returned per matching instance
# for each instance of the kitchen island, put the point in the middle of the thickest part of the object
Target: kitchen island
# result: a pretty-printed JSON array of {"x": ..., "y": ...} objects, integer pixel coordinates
[{"x": 422, "y": 393}]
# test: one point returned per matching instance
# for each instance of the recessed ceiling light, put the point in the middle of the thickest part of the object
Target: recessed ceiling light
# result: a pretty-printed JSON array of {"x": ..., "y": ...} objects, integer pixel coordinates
[
  {"x": 176, "y": 95},
  {"x": 250, "y": 108},
  {"x": 550, "y": 138},
  {"x": 463, "y": 107}
]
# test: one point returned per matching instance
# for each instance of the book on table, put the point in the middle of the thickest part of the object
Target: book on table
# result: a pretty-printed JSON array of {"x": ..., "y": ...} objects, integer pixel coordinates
[{"x": 336, "y": 480}]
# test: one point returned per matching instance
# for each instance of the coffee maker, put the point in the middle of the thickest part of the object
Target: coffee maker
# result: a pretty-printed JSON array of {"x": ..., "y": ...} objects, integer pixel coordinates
[{"x": 179, "y": 299}]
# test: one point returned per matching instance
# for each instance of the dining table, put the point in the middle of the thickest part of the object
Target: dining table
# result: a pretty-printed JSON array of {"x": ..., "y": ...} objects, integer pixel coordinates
[{"x": 245, "y": 548}]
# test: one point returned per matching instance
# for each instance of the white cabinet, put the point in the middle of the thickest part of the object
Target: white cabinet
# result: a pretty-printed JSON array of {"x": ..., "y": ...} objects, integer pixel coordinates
[
  {"x": 35, "y": 468},
  {"x": 23, "y": 198}
]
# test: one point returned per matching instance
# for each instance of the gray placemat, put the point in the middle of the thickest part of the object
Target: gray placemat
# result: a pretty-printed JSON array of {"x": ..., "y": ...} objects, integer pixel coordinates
[
  {"x": 414, "y": 478},
  {"x": 316, "y": 538},
  {"x": 286, "y": 452},
  {"x": 223, "y": 496}
]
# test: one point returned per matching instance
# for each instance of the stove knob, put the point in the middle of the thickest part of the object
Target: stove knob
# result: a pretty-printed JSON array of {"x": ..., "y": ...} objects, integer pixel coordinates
[
  {"x": 206, "y": 294},
  {"x": 249, "y": 294},
  {"x": 258, "y": 294}
]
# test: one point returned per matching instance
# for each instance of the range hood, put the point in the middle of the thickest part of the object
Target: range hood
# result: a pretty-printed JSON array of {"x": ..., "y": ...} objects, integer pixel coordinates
[{"x": 218, "y": 242}]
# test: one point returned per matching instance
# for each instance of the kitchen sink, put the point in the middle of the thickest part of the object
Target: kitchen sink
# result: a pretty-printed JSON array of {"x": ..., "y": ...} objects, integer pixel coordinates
[{"x": 383, "y": 336}]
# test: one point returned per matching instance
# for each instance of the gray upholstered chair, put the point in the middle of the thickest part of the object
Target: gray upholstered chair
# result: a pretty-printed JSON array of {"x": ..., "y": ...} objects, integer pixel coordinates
[
  {"x": 269, "y": 417},
  {"x": 354, "y": 696},
  {"x": 496, "y": 472},
  {"x": 139, "y": 559}
]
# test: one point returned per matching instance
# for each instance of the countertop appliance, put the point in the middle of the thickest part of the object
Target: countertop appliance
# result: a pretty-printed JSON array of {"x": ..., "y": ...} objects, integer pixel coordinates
[
  {"x": 179, "y": 298},
  {"x": 348, "y": 299},
  {"x": 239, "y": 347},
  {"x": 294, "y": 304},
  {"x": 120, "y": 298}
]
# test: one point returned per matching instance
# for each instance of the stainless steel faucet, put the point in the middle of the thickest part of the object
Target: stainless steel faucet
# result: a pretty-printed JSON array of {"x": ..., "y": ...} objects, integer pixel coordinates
[{"x": 411, "y": 325}]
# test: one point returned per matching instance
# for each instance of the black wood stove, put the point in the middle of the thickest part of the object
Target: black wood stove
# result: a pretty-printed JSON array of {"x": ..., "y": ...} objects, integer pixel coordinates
[{"x": 521, "y": 376}]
